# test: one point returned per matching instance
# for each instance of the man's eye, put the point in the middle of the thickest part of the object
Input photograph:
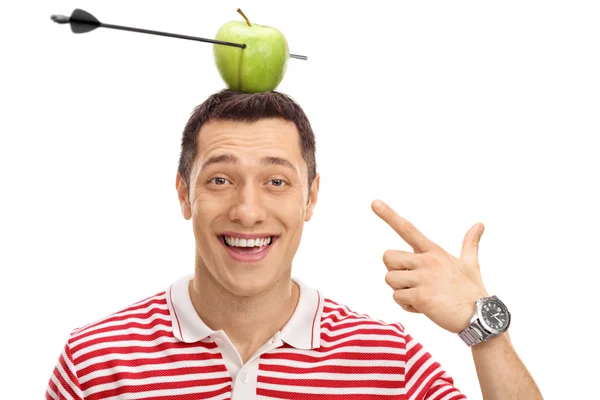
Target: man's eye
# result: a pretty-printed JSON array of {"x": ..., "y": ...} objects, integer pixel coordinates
[
  {"x": 218, "y": 181},
  {"x": 278, "y": 182}
]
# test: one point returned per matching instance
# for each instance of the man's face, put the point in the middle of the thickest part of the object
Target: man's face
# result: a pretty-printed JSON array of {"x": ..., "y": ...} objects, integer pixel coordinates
[{"x": 249, "y": 181}]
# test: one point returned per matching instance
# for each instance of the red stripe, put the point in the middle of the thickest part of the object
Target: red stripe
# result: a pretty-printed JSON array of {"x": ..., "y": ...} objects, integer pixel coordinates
[
  {"x": 369, "y": 324},
  {"x": 143, "y": 304},
  {"x": 335, "y": 369},
  {"x": 175, "y": 311},
  {"x": 51, "y": 386},
  {"x": 364, "y": 331},
  {"x": 160, "y": 348},
  {"x": 123, "y": 337},
  {"x": 393, "y": 346},
  {"x": 334, "y": 356},
  {"x": 69, "y": 375},
  {"x": 155, "y": 374},
  {"x": 104, "y": 326},
  {"x": 426, "y": 375},
  {"x": 210, "y": 360},
  {"x": 312, "y": 332},
  {"x": 276, "y": 394},
  {"x": 166, "y": 359},
  {"x": 449, "y": 389},
  {"x": 123, "y": 390},
  {"x": 333, "y": 383}
]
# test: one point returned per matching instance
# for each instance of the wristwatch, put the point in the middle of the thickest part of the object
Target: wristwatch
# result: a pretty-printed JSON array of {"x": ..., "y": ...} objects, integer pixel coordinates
[{"x": 491, "y": 318}]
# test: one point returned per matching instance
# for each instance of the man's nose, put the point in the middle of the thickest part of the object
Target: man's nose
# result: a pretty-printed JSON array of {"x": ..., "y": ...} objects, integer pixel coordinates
[{"x": 248, "y": 208}]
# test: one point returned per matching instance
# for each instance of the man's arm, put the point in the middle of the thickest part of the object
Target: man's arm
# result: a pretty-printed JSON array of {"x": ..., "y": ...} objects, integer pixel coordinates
[
  {"x": 64, "y": 383},
  {"x": 502, "y": 374},
  {"x": 445, "y": 288}
]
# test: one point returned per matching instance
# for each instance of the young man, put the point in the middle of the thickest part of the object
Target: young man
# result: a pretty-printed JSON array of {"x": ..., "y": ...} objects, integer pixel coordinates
[{"x": 241, "y": 328}]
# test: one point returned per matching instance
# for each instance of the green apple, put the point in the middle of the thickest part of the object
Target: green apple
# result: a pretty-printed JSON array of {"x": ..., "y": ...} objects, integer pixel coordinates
[{"x": 260, "y": 66}]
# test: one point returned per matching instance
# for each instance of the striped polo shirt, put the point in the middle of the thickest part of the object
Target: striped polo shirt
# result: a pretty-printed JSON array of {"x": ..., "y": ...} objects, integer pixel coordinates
[{"x": 159, "y": 349}]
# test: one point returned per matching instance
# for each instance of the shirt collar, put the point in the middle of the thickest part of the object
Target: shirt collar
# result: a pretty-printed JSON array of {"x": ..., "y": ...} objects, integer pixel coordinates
[{"x": 302, "y": 331}]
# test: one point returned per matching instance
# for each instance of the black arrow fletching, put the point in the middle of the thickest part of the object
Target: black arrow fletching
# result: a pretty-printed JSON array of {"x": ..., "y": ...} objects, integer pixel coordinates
[{"x": 82, "y": 21}]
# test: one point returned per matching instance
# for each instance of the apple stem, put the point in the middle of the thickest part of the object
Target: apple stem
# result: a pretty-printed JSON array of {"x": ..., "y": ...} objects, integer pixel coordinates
[{"x": 244, "y": 15}]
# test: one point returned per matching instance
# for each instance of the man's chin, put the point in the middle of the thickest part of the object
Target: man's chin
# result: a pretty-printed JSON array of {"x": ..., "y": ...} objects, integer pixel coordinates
[
  {"x": 246, "y": 282},
  {"x": 249, "y": 287}
]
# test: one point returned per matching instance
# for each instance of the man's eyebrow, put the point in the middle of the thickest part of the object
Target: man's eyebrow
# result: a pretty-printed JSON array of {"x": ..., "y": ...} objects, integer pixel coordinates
[
  {"x": 277, "y": 161},
  {"x": 231, "y": 159},
  {"x": 223, "y": 158}
]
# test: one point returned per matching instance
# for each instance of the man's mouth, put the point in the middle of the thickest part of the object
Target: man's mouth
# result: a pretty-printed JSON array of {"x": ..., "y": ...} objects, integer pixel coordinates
[{"x": 247, "y": 246}]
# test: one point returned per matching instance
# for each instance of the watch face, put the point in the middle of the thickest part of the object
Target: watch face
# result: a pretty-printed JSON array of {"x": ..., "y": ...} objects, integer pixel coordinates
[{"x": 495, "y": 315}]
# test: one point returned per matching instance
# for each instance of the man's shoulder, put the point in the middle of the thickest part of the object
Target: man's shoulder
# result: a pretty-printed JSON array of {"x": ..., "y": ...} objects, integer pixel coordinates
[
  {"x": 338, "y": 319},
  {"x": 140, "y": 317}
]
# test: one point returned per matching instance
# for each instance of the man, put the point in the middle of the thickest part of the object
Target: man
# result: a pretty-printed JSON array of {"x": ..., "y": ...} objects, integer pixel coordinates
[{"x": 240, "y": 327}]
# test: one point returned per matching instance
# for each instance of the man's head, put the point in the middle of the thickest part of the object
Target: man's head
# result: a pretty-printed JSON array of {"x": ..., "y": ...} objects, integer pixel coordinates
[
  {"x": 247, "y": 167},
  {"x": 242, "y": 107}
]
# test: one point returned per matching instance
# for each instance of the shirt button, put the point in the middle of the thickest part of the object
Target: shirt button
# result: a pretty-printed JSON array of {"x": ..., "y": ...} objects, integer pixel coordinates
[{"x": 244, "y": 377}]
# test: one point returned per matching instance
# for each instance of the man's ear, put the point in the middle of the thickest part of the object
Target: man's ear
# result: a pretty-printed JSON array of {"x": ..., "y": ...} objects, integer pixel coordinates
[
  {"x": 313, "y": 194},
  {"x": 182, "y": 194}
]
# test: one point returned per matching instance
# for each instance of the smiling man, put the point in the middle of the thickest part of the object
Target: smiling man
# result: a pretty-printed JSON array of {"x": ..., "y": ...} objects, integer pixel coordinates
[{"x": 241, "y": 327}]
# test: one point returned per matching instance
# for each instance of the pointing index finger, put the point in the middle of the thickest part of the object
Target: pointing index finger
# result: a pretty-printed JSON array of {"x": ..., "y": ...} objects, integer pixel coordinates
[{"x": 407, "y": 231}]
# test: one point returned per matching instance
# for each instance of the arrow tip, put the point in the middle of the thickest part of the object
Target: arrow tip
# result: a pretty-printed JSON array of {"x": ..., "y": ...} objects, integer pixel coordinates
[{"x": 60, "y": 19}]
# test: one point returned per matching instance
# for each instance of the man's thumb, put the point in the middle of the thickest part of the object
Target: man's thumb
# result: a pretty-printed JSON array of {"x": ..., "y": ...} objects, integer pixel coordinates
[{"x": 470, "y": 247}]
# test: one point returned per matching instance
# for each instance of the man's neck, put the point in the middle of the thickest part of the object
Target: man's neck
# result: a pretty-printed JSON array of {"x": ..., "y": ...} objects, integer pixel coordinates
[{"x": 249, "y": 322}]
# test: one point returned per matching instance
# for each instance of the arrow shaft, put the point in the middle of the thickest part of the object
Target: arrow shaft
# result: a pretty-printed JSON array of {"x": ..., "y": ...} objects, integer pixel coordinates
[
  {"x": 84, "y": 18},
  {"x": 174, "y": 35}
]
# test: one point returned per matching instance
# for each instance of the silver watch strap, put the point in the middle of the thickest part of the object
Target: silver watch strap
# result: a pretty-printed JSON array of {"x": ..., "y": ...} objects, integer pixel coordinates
[{"x": 474, "y": 334}]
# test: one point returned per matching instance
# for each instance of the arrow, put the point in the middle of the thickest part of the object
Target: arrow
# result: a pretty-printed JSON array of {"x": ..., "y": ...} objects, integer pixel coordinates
[{"x": 82, "y": 22}]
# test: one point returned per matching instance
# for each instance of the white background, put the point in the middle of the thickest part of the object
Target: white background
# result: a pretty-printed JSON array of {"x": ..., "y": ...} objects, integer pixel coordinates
[{"x": 452, "y": 112}]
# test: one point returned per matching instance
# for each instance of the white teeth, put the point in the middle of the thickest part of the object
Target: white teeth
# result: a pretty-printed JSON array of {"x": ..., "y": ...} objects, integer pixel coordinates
[{"x": 238, "y": 242}]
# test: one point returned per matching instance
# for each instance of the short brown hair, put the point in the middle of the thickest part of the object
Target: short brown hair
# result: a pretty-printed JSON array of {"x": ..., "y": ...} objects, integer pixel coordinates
[{"x": 246, "y": 107}]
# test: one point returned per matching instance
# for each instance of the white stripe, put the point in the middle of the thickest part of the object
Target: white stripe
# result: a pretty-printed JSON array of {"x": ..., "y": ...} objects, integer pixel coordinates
[
  {"x": 81, "y": 338},
  {"x": 156, "y": 380},
  {"x": 341, "y": 331},
  {"x": 346, "y": 349},
  {"x": 343, "y": 307},
  {"x": 145, "y": 310},
  {"x": 426, "y": 381},
  {"x": 51, "y": 392},
  {"x": 342, "y": 376},
  {"x": 149, "y": 367},
  {"x": 361, "y": 336},
  {"x": 338, "y": 309},
  {"x": 157, "y": 297},
  {"x": 414, "y": 359},
  {"x": 332, "y": 390},
  {"x": 450, "y": 395},
  {"x": 142, "y": 331},
  {"x": 411, "y": 343},
  {"x": 160, "y": 296},
  {"x": 336, "y": 317},
  {"x": 443, "y": 388},
  {"x": 170, "y": 392},
  {"x": 125, "y": 343},
  {"x": 156, "y": 354},
  {"x": 61, "y": 389},
  {"x": 65, "y": 375},
  {"x": 338, "y": 362}
]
